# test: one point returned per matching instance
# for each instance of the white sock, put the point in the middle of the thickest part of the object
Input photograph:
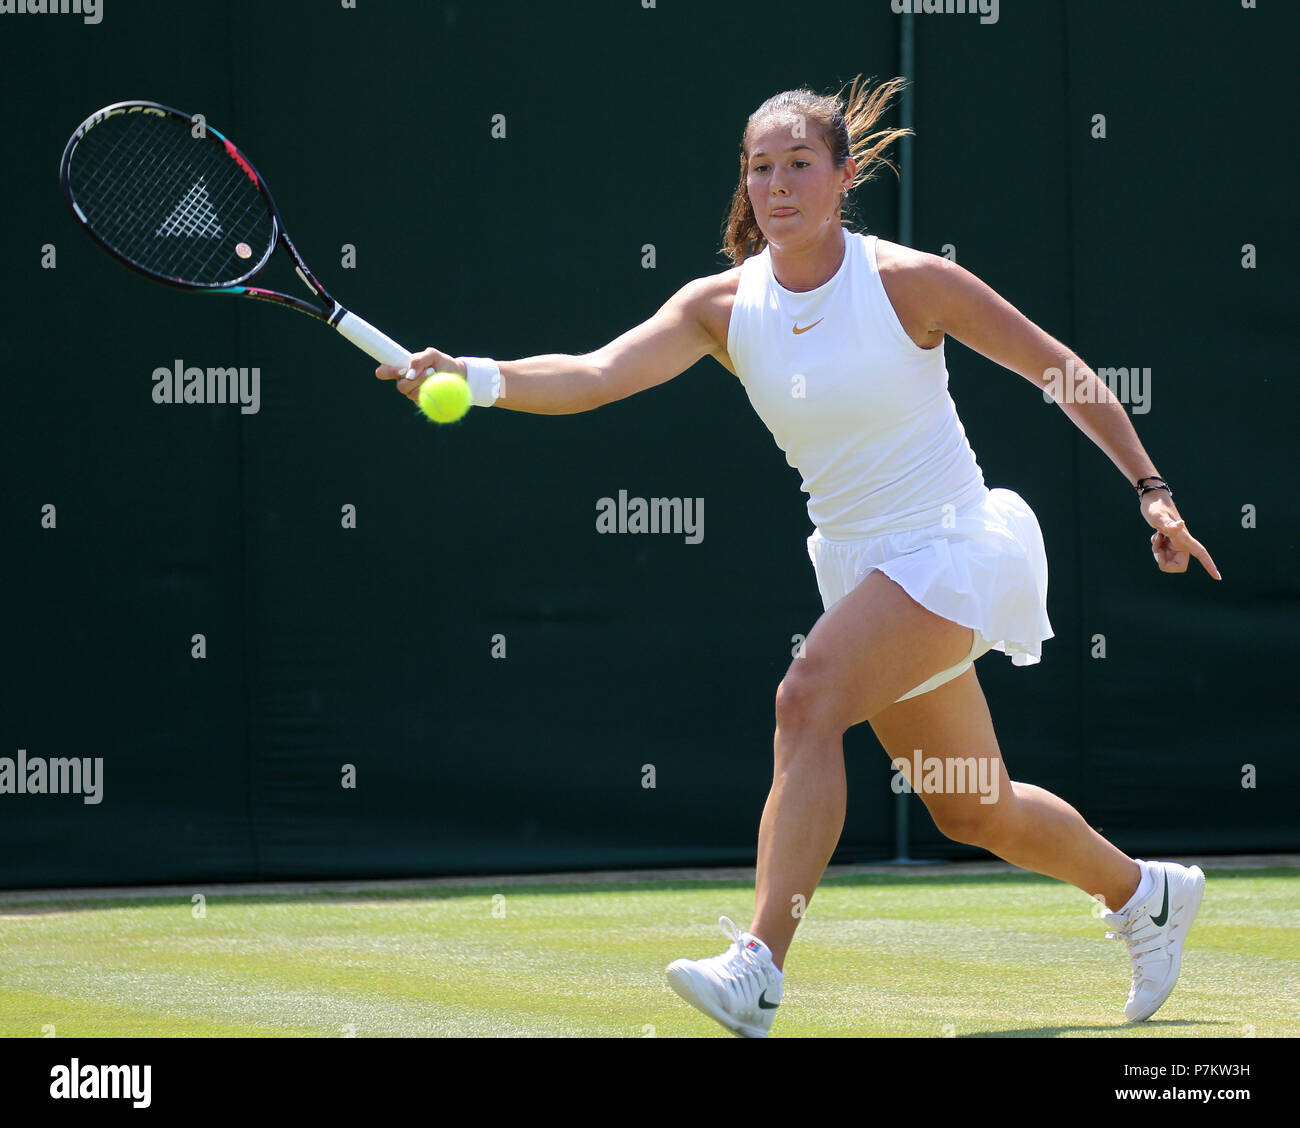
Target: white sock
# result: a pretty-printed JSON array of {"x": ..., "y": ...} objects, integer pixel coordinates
[
  {"x": 759, "y": 948},
  {"x": 1144, "y": 889}
]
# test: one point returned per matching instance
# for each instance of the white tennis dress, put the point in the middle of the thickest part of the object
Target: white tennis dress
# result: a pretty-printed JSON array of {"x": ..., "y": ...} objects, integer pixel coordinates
[{"x": 864, "y": 414}]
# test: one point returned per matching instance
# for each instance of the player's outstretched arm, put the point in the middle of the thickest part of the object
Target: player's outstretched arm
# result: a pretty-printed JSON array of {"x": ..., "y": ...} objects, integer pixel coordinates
[
  {"x": 558, "y": 384},
  {"x": 960, "y": 305}
]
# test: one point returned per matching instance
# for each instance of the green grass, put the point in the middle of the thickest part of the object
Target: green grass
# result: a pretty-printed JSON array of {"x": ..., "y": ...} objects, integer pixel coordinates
[{"x": 892, "y": 955}]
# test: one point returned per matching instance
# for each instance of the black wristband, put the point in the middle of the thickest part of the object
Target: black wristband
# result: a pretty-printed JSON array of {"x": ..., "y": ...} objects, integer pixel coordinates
[{"x": 1143, "y": 489}]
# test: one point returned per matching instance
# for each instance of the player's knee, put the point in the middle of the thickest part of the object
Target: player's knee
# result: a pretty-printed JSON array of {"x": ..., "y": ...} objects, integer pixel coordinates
[
  {"x": 971, "y": 822},
  {"x": 803, "y": 703}
]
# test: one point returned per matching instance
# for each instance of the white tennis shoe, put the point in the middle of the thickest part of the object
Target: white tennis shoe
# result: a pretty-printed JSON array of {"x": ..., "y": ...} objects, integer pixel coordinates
[
  {"x": 1155, "y": 930},
  {"x": 740, "y": 988}
]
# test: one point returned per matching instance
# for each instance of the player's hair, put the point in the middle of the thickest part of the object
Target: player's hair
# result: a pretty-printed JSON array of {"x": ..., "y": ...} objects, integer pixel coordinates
[{"x": 847, "y": 131}]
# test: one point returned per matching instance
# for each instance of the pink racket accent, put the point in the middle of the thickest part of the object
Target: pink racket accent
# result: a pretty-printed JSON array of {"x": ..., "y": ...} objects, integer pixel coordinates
[{"x": 239, "y": 160}]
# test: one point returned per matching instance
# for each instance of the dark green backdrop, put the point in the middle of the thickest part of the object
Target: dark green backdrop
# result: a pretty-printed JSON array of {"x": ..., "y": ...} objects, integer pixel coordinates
[{"x": 371, "y": 646}]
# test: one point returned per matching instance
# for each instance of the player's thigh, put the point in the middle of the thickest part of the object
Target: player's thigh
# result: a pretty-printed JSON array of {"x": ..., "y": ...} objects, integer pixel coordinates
[
  {"x": 947, "y": 736},
  {"x": 870, "y": 648}
]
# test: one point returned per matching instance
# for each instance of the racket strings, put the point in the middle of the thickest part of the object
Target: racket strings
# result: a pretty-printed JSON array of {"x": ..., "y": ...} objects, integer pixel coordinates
[{"x": 173, "y": 204}]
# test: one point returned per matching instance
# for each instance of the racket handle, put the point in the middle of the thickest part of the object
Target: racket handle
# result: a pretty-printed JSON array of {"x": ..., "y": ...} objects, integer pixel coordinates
[{"x": 370, "y": 340}]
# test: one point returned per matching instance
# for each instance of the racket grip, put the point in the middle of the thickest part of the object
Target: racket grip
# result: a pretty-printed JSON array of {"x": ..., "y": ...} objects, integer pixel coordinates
[{"x": 370, "y": 340}]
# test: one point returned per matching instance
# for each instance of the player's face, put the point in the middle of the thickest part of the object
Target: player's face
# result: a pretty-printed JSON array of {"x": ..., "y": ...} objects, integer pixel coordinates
[{"x": 794, "y": 186}]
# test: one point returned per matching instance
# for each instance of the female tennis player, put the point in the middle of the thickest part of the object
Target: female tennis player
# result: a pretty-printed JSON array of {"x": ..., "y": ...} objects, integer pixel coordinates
[{"x": 838, "y": 339}]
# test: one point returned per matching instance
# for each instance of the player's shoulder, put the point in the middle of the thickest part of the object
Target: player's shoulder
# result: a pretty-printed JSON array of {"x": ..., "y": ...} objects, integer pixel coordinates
[
  {"x": 709, "y": 299},
  {"x": 711, "y": 288},
  {"x": 711, "y": 296},
  {"x": 916, "y": 280},
  {"x": 909, "y": 261}
]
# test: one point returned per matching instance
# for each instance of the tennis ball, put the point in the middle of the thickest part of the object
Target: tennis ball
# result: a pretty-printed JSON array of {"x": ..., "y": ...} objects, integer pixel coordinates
[{"x": 444, "y": 397}]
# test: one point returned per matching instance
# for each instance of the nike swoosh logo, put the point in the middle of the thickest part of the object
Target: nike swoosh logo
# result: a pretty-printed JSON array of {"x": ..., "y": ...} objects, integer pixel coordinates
[
  {"x": 763, "y": 1004},
  {"x": 807, "y": 327},
  {"x": 1159, "y": 921}
]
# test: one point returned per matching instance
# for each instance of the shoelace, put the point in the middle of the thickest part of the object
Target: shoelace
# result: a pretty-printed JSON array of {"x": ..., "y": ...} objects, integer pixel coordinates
[
  {"x": 1143, "y": 943},
  {"x": 740, "y": 960}
]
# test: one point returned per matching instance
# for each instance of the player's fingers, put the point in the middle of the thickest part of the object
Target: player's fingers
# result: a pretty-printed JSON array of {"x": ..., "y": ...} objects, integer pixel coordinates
[
  {"x": 409, "y": 385},
  {"x": 1178, "y": 535},
  {"x": 1176, "y": 555},
  {"x": 1164, "y": 553},
  {"x": 430, "y": 358},
  {"x": 423, "y": 365},
  {"x": 409, "y": 379},
  {"x": 1197, "y": 549}
]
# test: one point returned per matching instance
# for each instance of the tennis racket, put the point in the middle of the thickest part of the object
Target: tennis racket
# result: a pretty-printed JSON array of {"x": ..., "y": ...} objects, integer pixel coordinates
[{"x": 190, "y": 211}]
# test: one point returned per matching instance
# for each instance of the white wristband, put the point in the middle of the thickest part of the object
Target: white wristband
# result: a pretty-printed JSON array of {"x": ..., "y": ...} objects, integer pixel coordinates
[{"x": 484, "y": 379}]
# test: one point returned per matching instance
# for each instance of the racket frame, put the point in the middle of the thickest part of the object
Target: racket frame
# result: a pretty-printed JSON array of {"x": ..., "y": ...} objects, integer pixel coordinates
[{"x": 362, "y": 334}]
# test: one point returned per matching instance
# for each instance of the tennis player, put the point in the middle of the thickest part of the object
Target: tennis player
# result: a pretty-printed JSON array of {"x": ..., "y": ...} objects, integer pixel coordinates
[{"x": 838, "y": 339}]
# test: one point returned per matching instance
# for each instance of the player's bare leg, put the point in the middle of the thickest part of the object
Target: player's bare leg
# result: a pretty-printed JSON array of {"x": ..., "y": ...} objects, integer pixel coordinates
[
  {"x": 869, "y": 649},
  {"x": 853, "y": 664},
  {"x": 1036, "y": 830},
  {"x": 1025, "y": 825}
]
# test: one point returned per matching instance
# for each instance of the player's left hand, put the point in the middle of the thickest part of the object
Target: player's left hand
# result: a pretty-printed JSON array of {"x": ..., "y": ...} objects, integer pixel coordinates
[{"x": 1171, "y": 544}]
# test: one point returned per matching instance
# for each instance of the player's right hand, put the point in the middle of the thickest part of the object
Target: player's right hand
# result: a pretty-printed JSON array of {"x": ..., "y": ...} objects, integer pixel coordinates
[{"x": 423, "y": 365}]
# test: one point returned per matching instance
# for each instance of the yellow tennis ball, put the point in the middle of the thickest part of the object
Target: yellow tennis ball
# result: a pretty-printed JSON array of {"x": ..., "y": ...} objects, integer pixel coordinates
[{"x": 444, "y": 397}]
